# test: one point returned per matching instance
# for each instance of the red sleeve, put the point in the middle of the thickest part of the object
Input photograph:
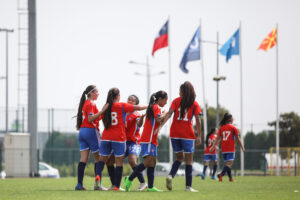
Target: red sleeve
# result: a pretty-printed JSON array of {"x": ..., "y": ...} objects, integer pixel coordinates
[
  {"x": 156, "y": 111},
  {"x": 128, "y": 107},
  {"x": 236, "y": 131},
  {"x": 89, "y": 109},
  {"x": 174, "y": 104},
  {"x": 197, "y": 109},
  {"x": 137, "y": 116}
]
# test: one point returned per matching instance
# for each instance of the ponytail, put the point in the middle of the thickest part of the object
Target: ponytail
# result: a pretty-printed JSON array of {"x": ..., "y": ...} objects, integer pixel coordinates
[
  {"x": 226, "y": 118},
  {"x": 153, "y": 100},
  {"x": 209, "y": 134},
  {"x": 188, "y": 97},
  {"x": 81, "y": 103},
  {"x": 111, "y": 96}
]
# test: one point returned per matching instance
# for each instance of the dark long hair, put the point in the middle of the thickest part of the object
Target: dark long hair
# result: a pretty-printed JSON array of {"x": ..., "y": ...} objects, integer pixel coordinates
[
  {"x": 188, "y": 97},
  {"x": 81, "y": 103},
  {"x": 111, "y": 96},
  {"x": 153, "y": 99},
  {"x": 209, "y": 134},
  {"x": 226, "y": 118}
]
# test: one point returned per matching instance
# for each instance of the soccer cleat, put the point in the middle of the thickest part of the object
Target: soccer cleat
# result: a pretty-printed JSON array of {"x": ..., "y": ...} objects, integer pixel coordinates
[
  {"x": 118, "y": 189},
  {"x": 142, "y": 187},
  {"x": 111, "y": 187},
  {"x": 154, "y": 189},
  {"x": 220, "y": 177},
  {"x": 169, "y": 182},
  {"x": 231, "y": 180},
  {"x": 98, "y": 185},
  {"x": 79, "y": 187},
  {"x": 127, "y": 184},
  {"x": 203, "y": 176},
  {"x": 190, "y": 189},
  {"x": 213, "y": 177}
]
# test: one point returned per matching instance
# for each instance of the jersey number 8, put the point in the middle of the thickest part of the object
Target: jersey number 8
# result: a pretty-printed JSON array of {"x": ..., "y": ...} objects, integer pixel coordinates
[{"x": 114, "y": 120}]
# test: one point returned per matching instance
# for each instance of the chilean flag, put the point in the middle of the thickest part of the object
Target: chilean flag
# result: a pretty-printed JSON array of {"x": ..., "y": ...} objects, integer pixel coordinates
[{"x": 161, "y": 39}]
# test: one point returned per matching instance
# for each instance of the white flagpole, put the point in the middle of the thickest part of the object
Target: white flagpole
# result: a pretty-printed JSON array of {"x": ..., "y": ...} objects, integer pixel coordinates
[
  {"x": 170, "y": 92},
  {"x": 277, "y": 115},
  {"x": 203, "y": 88},
  {"x": 241, "y": 80}
]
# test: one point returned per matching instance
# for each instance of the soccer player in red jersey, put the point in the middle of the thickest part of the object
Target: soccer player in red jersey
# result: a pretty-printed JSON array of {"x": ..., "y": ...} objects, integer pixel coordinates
[
  {"x": 149, "y": 140},
  {"x": 227, "y": 134},
  {"x": 113, "y": 140},
  {"x": 210, "y": 140},
  {"x": 182, "y": 134},
  {"x": 134, "y": 120},
  {"x": 88, "y": 118}
]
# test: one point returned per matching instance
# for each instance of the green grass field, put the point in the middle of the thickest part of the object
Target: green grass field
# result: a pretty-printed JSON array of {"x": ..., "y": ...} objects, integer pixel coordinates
[{"x": 243, "y": 188}]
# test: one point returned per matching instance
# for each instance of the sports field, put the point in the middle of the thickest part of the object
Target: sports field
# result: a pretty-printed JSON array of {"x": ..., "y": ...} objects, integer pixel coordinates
[{"x": 243, "y": 188}]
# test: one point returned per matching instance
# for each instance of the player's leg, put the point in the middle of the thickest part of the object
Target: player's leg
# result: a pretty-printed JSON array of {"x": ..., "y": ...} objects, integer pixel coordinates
[
  {"x": 229, "y": 164},
  {"x": 119, "y": 150},
  {"x": 215, "y": 159},
  {"x": 134, "y": 150},
  {"x": 111, "y": 170},
  {"x": 189, "y": 172},
  {"x": 150, "y": 172},
  {"x": 104, "y": 152},
  {"x": 206, "y": 163}
]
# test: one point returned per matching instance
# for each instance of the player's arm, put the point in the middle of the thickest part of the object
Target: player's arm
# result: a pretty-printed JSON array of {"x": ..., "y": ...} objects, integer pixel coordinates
[
  {"x": 240, "y": 143},
  {"x": 164, "y": 120},
  {"x": 141, "y": 120},
  {"x": 91, "y": 118},
  {"x": 215, "y": 144},
  {"x": 139, "y": 107},
  {"x": 198, "y": 127}
]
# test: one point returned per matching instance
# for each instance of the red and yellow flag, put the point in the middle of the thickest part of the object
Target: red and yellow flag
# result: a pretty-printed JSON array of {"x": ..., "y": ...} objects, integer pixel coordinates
[{"x": 270, "y": 41}]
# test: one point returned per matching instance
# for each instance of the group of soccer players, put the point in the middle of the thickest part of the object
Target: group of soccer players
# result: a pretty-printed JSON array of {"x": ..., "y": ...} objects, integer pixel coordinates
[{"x": 121, "y": 137}]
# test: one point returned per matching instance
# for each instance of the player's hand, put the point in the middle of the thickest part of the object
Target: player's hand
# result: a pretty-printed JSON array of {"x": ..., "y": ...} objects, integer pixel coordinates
[
  {"x": 212, "y": 148},
  {"x": 198, "y": 141}
]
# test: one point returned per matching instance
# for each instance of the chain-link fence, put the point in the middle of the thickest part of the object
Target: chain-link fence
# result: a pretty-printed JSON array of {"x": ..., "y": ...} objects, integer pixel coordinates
[{"x": 257, "y": 162}]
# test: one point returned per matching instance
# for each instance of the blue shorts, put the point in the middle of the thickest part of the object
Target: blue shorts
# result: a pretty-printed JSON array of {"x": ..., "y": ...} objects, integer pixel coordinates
[
  {"x": 89, "y": 139},
  {"x": 208, "y": 157},
  {"x": 182, "y": 145},
  {"x": 132, "y": 148},
  {"x": 228, "y": 156},
  {"x": 108, "y": 147},
  {"x": 149, "y": 149}
]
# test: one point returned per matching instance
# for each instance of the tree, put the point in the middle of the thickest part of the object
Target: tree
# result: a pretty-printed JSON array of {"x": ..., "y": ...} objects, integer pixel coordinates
[{"x": 289, "y": 126}]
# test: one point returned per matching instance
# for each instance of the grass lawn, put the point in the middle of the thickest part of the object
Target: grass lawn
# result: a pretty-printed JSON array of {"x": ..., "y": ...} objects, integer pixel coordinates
[{"x": 265, "y": 188}]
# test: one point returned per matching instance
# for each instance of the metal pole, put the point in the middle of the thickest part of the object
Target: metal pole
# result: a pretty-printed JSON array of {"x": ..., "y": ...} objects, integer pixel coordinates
[
  {"x": 241, "y": 80},
  {"x": 217, "y": 109},
  {"x": 170, "y": 91},
  {"x": 277, "y": 115},
  {"x": 32, "y": 86},
  {"x": 203, "y": 90},
  {"x": 6, "y": 101},
  {"x": 148, "y": 78}
]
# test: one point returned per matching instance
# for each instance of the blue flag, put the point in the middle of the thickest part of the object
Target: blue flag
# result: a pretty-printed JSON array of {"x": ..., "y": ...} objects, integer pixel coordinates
[
  {"x": 232, "y": 46},
  {"x": 192, "y": 52}
]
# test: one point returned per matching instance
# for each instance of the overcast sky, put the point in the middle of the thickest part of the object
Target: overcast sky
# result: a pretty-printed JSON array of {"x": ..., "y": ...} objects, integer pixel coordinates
[{"x": 83, "y": 42}]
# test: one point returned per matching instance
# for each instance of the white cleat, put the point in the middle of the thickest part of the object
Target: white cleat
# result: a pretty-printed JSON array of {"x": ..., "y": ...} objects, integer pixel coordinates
[
  {"x": 190, "y": 189},
  {"x": 169, "y": 182},
  {"x": 142, "y": 187},
  {"x": 99, "y": 187},
  {"x": 121, "y": 189}
]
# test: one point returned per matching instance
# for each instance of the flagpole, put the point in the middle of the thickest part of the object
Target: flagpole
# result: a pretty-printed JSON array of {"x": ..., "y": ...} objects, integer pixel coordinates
[
  {"x": 203, "y": 89},
  {"x": 241, "y": 92},
  {"x": 277, "y": 116},
  {"x": 170, "y": 91}
]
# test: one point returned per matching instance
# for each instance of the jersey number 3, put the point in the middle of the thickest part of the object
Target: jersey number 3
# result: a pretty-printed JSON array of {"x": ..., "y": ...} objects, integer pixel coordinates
[{"x": 226, "y": 135}]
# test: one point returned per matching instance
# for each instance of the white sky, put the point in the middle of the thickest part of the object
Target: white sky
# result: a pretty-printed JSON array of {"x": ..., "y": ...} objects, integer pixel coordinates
[{"x": 82, "y": 42}]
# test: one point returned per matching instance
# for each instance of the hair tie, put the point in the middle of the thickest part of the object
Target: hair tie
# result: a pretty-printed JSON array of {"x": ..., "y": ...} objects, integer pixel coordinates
[{"x": 154, "y": 98}]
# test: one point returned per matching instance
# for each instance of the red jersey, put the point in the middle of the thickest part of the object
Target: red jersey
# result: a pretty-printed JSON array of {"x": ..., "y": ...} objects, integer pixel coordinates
[
  {"x": 150, "y": 126},
  {"x": 89, "y": 108},
  {"x": 132, "y": 130},
  {"x": 211, "y": 140},
  {"x": 116, "y": 131},
  {"x": 228, "y": 133},
  {"x": 183, "y": 128}
]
